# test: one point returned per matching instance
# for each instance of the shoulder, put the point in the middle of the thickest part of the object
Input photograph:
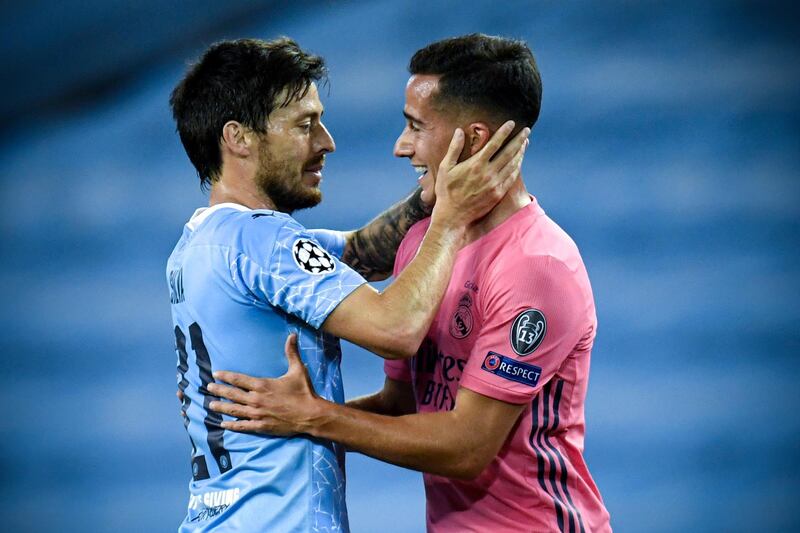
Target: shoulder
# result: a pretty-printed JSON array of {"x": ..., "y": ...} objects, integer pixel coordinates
[
  {"x": 252, "y": 233},
  {"x": 539, "y": 255},
  {"x": 260, "y": 222},
  {"x": 539, "y": 239},
  {"x": 227, "y": 224}
]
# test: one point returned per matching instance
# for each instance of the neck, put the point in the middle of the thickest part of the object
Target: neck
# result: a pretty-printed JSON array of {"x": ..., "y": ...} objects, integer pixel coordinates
[
  {"x": 515, "y": 199},
  {"x": 239, "y": 191}
]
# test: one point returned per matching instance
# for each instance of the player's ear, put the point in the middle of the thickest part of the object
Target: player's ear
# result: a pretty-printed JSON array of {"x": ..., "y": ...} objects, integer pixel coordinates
[
  {"x": 237, "y": 139},
  {"x": 478, "y": 134}
]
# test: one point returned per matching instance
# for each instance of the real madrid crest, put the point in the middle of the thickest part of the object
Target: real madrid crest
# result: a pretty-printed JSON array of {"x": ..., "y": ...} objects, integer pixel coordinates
[{"x": 461, "y": 323}]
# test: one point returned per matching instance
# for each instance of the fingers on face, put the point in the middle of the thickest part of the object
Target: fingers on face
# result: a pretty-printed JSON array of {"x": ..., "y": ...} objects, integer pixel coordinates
[
  {"x": 512, "y": 149},
  {"x": 514, "y": 162},
  {"x": 454, "y": 150},
  {"x": 520, "y": 141},
  {"x": 497, "y": 140}
]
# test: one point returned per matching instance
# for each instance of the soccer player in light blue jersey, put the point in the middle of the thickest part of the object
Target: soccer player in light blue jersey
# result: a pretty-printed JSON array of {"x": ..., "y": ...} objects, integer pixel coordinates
[{"x": 244, "y": 274}]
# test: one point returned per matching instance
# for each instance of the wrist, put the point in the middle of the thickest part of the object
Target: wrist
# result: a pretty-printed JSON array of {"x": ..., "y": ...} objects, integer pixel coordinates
[
  {"x": 316, "y": 418},
  {"x": 447, "y": 222},
  {"x": 447, "y": 235}
]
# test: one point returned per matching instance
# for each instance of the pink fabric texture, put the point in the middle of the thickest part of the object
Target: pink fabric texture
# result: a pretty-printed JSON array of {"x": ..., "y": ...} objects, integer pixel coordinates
[{"x": 517, "y": 324}]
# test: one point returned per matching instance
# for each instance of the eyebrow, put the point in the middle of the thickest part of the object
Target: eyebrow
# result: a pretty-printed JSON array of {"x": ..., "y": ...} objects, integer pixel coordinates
[
  {"x": 310, "y": 114},
  {"x": 412, "y": 117}
]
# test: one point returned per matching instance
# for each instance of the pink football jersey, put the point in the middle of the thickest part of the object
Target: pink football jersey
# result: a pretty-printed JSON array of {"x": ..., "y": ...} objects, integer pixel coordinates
[{"x": 517, "y": 324}]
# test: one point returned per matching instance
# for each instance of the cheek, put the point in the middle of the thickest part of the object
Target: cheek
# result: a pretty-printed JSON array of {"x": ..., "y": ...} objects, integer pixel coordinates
[
  {"x": 281, "y": 158},
  {"x": 424, "y": 150},
  {"x": 296, "y": 145},
  {"x": 437, "y": 149},
  {"x": 290, "y": 145}
]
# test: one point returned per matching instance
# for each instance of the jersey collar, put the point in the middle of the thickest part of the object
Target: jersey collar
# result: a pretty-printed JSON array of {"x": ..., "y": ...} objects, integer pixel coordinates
[{"x": 204, "y": 212}]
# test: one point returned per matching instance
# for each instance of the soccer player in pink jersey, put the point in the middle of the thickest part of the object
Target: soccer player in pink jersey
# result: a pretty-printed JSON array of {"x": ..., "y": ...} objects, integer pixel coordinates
[{"x": 491, "y": 408}]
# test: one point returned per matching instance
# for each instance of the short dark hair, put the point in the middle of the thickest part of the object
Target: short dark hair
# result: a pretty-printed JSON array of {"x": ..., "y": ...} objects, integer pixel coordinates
[
  {"x": 237, "y": 80},
  {"x": 494, "y": 74}
]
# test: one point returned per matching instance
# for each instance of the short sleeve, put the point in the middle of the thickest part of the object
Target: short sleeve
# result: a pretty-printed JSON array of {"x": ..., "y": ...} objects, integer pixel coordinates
[
  {"x": 534, "y": 313},
  {"x": 333, "y": 241},
  {"x": 296, "y": 273}
]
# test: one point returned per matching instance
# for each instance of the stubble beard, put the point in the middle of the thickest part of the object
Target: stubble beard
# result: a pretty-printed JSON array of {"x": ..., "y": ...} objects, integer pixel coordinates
[{"x": 284, "y": 186}]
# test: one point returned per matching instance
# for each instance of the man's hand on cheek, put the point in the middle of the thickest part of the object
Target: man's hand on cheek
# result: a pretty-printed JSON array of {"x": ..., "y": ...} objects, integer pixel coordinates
[
  {"x": 428, "y": 184},
  {"x": 468, "y": 190}
]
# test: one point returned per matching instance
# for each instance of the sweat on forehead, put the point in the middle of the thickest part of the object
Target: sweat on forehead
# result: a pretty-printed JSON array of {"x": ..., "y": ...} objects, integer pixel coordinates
[
  {"x": 427, "y": 88},
  {"x": 423, "y": 85},
  {"x": 421, "y": 101}
]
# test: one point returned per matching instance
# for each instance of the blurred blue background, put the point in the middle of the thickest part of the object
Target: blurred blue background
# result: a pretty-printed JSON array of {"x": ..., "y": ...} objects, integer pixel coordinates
[{"x": 668, "y": 146}]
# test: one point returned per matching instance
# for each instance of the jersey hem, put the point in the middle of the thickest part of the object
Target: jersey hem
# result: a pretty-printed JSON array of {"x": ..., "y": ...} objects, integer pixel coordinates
[{"x": 397, "y": 374}]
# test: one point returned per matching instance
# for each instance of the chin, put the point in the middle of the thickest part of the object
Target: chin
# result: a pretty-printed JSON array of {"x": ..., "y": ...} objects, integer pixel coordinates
[
  {"x": 306, "y": 200},
  {"x": 291, "y": 197}
]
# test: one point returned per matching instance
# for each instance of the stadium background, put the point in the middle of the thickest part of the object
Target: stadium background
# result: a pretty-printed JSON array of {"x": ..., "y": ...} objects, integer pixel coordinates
[{"x": 667, "y": 147}]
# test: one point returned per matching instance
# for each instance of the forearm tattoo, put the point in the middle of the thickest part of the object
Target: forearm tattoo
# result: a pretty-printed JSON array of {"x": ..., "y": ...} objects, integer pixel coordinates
[{"x": 371, "y": 250}]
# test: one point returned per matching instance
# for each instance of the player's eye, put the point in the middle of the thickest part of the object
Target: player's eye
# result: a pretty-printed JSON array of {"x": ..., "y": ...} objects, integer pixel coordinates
[
  {"x": 305, "y": 126},
  {"x": 413, "y": 127}
]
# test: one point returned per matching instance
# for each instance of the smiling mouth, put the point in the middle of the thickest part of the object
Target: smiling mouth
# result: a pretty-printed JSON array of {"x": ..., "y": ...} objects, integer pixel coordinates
[
  {"x": 315, "y": 171},
  {"x": 421, "y": 170},
  {"x": 315, "y": 167}
]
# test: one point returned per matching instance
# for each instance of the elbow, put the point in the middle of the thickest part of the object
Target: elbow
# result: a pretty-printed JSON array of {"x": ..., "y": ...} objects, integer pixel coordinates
[
  {"x": 469, "y": 467},
  {"x": 398, "y": 352},
  {"x": 402, "y": 344},
  {"x": 404, "y": 348},
  {"x": 392, "y": 343},
  {"x": 463, "y": 474},
  {"x": 467, "y": 473}
]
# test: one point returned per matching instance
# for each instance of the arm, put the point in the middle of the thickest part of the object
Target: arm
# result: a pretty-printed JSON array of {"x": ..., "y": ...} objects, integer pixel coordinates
[
  {"x": 371, "y": 250},
  {"x": 395, "y": 399},
  {"x": 458, "y": 443},
  {"x": 394, "y": 322}
]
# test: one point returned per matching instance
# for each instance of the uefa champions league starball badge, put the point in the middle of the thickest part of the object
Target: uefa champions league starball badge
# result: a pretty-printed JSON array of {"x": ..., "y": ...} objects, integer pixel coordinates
[{"x": 311, "y": 258}]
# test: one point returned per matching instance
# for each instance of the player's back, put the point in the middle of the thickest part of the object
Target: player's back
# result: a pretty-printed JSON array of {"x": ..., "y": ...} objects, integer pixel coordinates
[{"x": 222, "y": 295}]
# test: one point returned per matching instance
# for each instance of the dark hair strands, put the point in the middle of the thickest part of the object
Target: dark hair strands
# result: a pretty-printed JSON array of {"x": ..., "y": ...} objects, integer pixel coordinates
[
  {"x": 239, "y": 80},
  {"x": 495, "y": 74}
]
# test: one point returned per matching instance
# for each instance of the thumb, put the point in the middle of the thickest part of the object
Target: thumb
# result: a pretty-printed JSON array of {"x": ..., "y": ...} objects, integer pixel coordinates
[
  {"x": 292, "y": 353},
  {"x": 453, "y": 151}
]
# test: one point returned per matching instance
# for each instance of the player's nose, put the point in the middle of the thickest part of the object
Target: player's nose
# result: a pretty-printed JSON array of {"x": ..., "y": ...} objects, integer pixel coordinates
[
  {"x": 403, "y": 147},
  {"x": 325, "y": 140}
]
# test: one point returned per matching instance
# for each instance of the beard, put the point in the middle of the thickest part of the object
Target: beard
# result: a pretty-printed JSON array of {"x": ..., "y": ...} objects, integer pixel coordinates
[{"x": 283, "y": 183}]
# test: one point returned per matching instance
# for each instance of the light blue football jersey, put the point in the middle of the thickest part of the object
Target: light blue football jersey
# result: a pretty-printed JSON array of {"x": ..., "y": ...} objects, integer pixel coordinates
[{"x": 240, "y": 281}]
